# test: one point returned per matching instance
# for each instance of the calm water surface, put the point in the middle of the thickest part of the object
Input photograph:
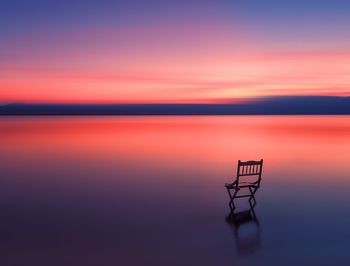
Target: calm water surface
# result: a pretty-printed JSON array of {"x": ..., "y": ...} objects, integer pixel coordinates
[{"x": 150, "y": 190}]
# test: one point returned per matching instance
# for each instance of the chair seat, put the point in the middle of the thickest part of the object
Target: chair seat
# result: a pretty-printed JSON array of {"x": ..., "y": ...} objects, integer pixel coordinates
[
  {"x": 246, "y": 184},
  {"x": 240, "y": 185}
]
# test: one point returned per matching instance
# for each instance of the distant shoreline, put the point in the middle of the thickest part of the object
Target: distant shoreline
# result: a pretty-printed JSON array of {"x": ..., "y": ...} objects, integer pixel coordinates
[{"x": 294, "y": 105}]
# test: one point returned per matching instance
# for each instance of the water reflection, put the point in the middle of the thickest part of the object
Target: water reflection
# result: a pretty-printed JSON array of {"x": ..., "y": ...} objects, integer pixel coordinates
[
  {"x": 149, "y": 190},
  {"x": 246, "y": 230}
]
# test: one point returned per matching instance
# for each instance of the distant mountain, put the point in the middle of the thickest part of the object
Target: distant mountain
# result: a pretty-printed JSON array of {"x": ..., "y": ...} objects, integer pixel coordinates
[{"x": 288, "y": 105}]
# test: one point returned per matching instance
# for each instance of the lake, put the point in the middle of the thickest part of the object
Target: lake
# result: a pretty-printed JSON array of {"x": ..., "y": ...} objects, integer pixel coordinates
[{"x": 149, "y": 190}]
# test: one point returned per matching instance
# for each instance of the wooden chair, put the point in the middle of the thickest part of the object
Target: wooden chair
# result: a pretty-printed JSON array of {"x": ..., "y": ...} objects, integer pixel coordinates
[{"x": 250, "y": 172}]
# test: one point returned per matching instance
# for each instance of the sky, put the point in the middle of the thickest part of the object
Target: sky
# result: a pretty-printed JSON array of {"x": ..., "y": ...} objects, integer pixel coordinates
[{"x": 160, "y": 51}]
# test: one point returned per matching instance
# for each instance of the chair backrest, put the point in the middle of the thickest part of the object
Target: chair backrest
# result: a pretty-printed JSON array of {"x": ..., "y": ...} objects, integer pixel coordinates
[{"x": 250, "y": 168}]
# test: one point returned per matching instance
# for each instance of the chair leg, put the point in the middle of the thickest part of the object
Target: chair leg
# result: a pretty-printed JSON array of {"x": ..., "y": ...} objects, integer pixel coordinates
[
  {"x": 232, "y": 197},
  {"x": 231, "y": 204},
  {"x": 254, "y": 216},
  {"x": 252, "y": 201}
]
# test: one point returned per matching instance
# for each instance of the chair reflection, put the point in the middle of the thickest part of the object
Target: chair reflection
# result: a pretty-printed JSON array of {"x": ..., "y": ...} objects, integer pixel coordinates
[{"x": 246, "y": 229}]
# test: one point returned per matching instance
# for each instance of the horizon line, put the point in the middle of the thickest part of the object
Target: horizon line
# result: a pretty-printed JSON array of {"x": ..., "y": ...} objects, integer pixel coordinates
[
  {"x": 173, "y": 102},
  {"x": 268, "y": 105}
]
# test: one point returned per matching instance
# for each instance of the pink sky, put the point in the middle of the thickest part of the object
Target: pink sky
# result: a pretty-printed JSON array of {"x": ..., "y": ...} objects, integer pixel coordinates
[{"x": 198, "y": 62}]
